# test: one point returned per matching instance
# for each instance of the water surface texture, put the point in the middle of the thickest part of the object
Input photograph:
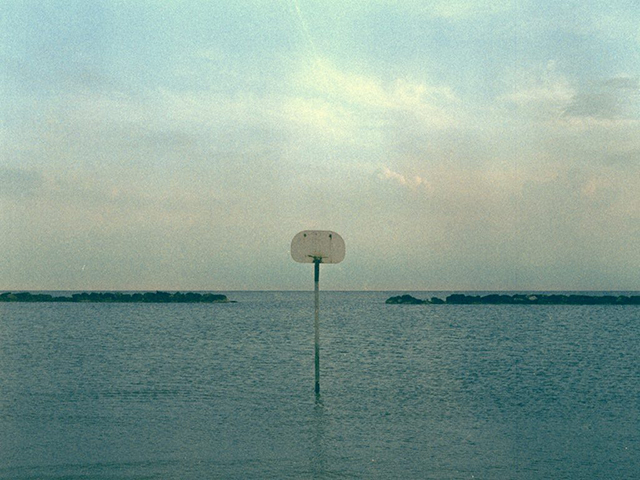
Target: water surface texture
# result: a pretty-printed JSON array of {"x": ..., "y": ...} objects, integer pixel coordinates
[{"x": 174, "y": 391}]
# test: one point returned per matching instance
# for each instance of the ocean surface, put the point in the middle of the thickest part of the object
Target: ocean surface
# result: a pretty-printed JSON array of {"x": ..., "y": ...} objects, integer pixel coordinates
[{"x": 181, "y": 391}]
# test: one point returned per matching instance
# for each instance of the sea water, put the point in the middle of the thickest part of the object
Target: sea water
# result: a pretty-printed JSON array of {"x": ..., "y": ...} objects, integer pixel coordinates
[{"x": 176, "y": 391}]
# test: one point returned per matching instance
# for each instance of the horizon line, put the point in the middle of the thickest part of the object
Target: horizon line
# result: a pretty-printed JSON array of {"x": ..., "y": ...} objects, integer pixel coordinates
[{"x": 310, "y": 290}]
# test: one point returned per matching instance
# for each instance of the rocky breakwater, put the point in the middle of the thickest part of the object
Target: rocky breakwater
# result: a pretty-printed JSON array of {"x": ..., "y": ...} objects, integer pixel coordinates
[
  {"x": 519, "y": 299},
  {"x": 117, "y": 297}
]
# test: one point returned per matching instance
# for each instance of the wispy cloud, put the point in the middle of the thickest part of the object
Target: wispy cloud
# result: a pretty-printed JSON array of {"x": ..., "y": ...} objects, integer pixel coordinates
[
  {"x": 414, "y": 182},
  {"x": 457, "y": 9},
  {"x": 360, "y": 91},
  {"x": 449, "y": 9},
  {"x": 541, "y": 93}
]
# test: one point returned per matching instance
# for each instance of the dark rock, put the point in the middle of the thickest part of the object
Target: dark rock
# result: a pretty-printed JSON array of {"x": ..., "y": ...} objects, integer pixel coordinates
[
  {"x": 405, "y": 300},
  {"x": 460, "y": 299}
]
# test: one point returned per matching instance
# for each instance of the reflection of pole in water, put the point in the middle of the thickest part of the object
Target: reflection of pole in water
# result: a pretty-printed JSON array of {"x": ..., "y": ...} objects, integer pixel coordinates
[
  {"x": 317, "y": 246},
  {"x": 318, "y": 454}
]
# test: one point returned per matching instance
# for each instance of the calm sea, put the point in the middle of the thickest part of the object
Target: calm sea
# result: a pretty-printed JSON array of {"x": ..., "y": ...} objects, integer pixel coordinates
[{"x": 181, "y": 391}]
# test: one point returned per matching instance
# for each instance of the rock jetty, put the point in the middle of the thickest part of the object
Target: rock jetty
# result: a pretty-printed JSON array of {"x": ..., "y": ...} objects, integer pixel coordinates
[
  {"x": 518, "y": 299},
  {"x": 117, "y": 297}
]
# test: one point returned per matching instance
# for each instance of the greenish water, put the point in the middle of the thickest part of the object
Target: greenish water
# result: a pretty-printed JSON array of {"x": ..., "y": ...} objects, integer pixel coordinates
[{"x": 174, "y": 391}]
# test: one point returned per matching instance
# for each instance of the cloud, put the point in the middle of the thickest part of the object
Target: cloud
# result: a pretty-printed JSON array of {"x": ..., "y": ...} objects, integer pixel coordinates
[
  {"x": 596, "y": 105},
  {"x": 365, "y": 92},
  {"x": 414, "y": 182},
  {"x": 558, "y": 120},
  {"x": 19, "y": 183},
  {"x": 320, "y": 117},
  {"x": 615, "y": 98},
  {"x": 449, "y": 9},
  {"x": 541, "y": 93},
  {"x": 623, "y": 83},
  {"x": 460, "y": 9}
]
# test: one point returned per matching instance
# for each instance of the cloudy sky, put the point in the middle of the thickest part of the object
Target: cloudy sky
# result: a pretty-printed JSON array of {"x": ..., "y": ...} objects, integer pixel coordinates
[{"x": 454, "y": 144}]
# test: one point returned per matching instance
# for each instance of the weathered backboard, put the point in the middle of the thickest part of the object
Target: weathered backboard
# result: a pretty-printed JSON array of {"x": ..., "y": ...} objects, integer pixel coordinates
[{"x": 323, "y": 245}]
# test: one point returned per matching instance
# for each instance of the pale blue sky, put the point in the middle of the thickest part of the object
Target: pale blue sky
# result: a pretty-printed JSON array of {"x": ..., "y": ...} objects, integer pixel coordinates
[{"x": 453, "y": 144}]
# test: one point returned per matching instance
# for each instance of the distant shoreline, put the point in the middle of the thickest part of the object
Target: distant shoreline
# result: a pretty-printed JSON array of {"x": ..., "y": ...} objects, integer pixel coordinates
[
  {"x": 518, "y": 299},
  {"x": 117, "y": 297}
]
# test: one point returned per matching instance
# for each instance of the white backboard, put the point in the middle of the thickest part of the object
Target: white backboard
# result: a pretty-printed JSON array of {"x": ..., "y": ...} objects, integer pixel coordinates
[{"x": 323, "y": 245}]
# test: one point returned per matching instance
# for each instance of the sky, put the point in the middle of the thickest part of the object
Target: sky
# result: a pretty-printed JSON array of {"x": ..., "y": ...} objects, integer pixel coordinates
[{"x": 453, "y": 144}]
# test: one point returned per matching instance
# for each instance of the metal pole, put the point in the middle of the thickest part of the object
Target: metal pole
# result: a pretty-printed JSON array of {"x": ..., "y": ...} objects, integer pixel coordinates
[{"x": 316, "y": 266}]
